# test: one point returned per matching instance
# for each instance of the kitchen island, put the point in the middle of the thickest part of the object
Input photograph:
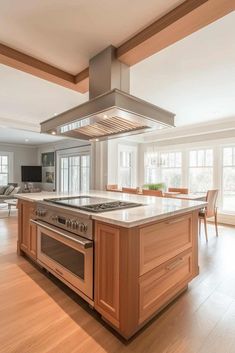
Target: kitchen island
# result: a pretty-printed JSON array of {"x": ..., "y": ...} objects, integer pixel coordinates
[{"x": 144, "y": 256}]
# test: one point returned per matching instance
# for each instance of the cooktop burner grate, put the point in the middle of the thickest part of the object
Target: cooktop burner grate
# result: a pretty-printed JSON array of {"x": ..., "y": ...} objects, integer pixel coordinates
[
  {"x": 109, "y": 206},
  {"x": 92, "y": 204}
]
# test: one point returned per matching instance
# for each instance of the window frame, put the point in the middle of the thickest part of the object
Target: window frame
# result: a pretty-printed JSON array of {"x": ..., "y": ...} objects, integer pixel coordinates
[
  {"x": 216, "y": 145},
  {"x": 159, "y": 167},
  {"x": 199, "y": 148},
  {"x": 133, "y": 150},
  {"x": 10, "y": 156},
  {"x": 72, "y": 152},
  {"x": 222, "y": 147}
]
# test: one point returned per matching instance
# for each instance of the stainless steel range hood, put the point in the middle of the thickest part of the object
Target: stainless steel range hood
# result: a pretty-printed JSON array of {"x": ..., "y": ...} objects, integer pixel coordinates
[{"x": 111, "y": 111}]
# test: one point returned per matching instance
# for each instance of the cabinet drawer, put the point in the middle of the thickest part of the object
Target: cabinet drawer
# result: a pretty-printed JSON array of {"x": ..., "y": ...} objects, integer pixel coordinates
[
  {"x": 161, "y": 284},
  {"x": 164, "y": 240}
]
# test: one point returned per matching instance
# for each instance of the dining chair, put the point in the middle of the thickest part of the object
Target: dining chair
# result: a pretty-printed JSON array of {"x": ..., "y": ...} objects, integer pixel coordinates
[
  {"x": 130, "y": 190},
  {"x": 111, "y": 187},
  {"x": 157, "y": 193},
  {"x": 181, "y": 190},
  {"x": 209, "y": 211}
]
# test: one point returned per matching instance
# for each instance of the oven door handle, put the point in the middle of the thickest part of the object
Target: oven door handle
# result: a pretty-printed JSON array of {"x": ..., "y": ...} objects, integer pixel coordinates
[{"x": 83, "y": 242}]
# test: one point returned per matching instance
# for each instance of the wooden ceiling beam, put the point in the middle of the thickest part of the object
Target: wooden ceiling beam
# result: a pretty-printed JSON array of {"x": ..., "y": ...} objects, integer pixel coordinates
[
  {"x": 182, "y": 21},
  {"x": 82, "y": 80},
  {"x": 30, "y": 65}
]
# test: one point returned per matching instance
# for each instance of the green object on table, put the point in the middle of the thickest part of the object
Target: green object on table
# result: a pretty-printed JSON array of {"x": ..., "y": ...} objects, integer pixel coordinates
[{"x": 158, "y": 186}]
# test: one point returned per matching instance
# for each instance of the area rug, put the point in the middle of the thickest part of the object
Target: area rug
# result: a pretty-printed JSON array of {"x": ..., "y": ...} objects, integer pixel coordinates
[{"x": 4, "y": 211}]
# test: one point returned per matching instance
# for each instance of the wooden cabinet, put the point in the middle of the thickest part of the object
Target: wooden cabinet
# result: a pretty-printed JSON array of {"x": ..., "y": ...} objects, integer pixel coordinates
[
  {"x": 162, "y": 241},
  {"x": 159, "y": 285},
  {"x": 107, "y": 272},
  {"x": 139, "y": 270},
  {"x": 27, "y": 237}
]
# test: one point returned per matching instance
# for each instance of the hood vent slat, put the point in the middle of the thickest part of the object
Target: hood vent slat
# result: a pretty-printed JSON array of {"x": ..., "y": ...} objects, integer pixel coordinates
[{"x": 109, "y": 127}]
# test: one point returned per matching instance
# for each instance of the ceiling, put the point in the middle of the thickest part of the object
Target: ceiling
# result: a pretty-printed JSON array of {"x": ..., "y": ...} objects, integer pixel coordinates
[
  {"x": 66, "y": 34},
  {"x": 28, "y": 99},
  {"x": 195, "y": 77},
  {"x": 22, "y": 137}
]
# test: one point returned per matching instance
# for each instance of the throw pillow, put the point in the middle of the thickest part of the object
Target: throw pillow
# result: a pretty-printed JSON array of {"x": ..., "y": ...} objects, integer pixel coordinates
[
  {"x": 2, "y": 189},
  {"x": 15, "y": 190},
  {"x": 9, "y": 190}
]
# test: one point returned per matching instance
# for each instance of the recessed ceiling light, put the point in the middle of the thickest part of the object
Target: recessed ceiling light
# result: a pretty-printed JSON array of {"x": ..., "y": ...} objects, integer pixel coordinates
[
  {"x": 26, "y": 140},
  {"x": 53, "y": 133},
  {"x": 55, "y": 114},
  {"x": 105, "y": 116}
]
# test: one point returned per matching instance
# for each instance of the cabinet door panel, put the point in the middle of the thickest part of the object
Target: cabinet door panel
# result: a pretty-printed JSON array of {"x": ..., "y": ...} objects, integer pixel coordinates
[
  {"x": 33, "y": 241},
  {"x": 107, "y": 272},
  {"x": 28, "y": 233},
  {"x": 162, "y": 241},
  {"x": 160, "y": 284},
  {"x": 24, "y": 238}
]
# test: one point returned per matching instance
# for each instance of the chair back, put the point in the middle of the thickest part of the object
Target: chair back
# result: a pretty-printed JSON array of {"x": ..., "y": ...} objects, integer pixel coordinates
[
  {"x": 110, "y": 187},
  {"x": 157, "y": 193},
  {"x": 181, "y": 190},
  {"x": 211, "y": 198},
  {"x": 130, "y": 190}
]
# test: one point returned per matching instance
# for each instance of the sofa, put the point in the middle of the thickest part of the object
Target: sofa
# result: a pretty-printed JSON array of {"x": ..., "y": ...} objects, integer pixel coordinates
[{"x": 9, "y": 191}]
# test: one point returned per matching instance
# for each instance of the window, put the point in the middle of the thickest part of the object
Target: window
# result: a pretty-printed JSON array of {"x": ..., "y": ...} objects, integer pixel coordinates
[
  {"x": 74, "y": 172},
  {"x": 151, "y": 167},
  {"x": 4, "y": 169},
  {"x": 127, "y": 166},
  {"x": 200, "y": 170},
  {"x": 228, "y": 184},
  {"x": 164, "y": 167},
  {"x": 170, "y": 167}
]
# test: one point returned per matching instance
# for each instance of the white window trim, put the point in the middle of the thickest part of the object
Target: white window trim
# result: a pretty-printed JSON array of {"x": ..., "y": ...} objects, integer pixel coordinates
[
  {"x": 78, "y": 151},
  {"x": 202, "y": 167},
  {"x": 10, "y": 156},
  {"x": 223, "y": 211},
  {"x": 217, "y": 146},
  {"x": 159, "y": 167},
  {"x": 133, "y": 150}
]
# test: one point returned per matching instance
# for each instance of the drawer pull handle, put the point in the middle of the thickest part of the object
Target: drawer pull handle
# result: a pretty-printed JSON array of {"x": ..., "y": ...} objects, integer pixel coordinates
[
  {"x": 176, "y": 220},
  {"x": 58, "y": 271},
  {"x": 174, "y": 264}
]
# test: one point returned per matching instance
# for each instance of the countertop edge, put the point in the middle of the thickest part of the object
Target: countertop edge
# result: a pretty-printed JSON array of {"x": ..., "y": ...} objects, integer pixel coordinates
[
  {"x": 103, "y": 217},
  {"x": 133, "y": 224}
]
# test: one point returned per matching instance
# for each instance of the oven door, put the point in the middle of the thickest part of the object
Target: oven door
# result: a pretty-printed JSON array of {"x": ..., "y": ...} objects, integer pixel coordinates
[{"x": 70, "y": 257}]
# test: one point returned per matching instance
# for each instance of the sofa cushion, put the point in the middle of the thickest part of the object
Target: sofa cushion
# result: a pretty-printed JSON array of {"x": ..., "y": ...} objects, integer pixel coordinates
[
  {"x": 6, "y": 197},
  {"x": 15, "y": 190},
  {"x": 9, "y": 190},
  {"x": 2, "y": 189}
]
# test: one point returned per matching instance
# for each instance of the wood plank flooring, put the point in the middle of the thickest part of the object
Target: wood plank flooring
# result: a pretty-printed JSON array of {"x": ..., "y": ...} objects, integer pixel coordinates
[{"x": 40, "y": 315}]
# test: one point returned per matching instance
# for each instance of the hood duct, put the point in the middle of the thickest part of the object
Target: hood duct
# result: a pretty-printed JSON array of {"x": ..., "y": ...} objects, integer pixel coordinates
[{"x": 111, "y": 111}]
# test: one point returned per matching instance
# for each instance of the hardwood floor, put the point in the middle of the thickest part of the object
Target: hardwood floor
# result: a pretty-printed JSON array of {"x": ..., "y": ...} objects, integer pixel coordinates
[{"x": 40, "y": 315}]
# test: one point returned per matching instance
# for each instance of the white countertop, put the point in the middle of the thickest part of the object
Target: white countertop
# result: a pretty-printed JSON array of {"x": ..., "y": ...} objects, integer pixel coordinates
[{"x": 154, "y": 208}]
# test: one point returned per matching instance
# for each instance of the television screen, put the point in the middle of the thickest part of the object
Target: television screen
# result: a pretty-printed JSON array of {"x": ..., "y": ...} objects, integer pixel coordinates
[{"x": 32, "y": 174}]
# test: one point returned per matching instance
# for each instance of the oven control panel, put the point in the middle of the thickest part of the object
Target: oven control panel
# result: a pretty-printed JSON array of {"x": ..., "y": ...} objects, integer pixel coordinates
[{"x": 70, "y": 222}]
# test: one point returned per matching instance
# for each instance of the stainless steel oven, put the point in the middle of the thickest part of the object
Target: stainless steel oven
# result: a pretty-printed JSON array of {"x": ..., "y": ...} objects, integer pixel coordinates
[
  {"x": 65, "y": 238},
  {"x": 68, "y": 256}
]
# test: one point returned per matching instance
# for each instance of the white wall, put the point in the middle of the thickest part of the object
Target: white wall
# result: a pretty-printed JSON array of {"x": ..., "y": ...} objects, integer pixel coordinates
[{"x": 22, "y": 155}]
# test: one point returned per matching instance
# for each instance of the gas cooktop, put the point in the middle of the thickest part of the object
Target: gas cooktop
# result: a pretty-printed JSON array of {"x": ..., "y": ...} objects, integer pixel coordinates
[{"x": 92, "y": 204}]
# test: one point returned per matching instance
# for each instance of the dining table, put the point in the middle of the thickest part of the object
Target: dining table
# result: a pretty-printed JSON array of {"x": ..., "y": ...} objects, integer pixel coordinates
[
  {"x": 175, "y": 195},
  {"x": 190, "y": 196}
]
